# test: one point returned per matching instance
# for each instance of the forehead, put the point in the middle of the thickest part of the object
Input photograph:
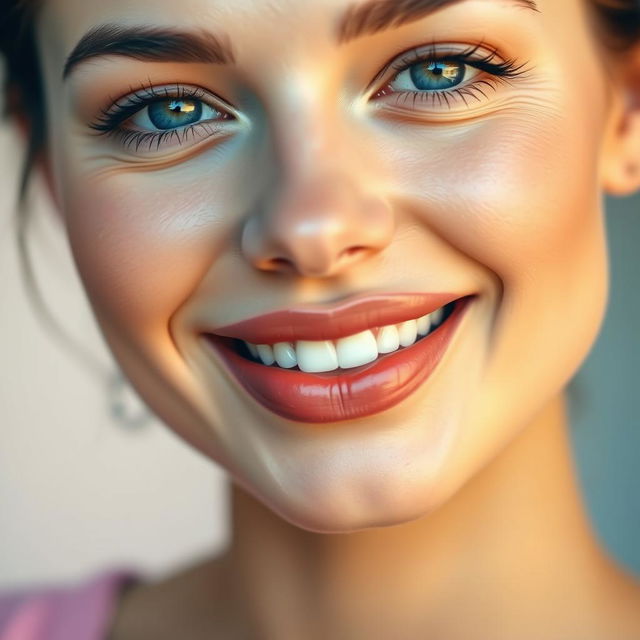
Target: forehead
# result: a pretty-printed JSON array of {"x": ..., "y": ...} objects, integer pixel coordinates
[
  {"x": 71, "y": 18},
  {"x": 280, "y": 30}
]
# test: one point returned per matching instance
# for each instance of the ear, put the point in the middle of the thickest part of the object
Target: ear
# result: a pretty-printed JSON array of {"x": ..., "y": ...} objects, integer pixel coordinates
[{"x": 621, "y": 170}]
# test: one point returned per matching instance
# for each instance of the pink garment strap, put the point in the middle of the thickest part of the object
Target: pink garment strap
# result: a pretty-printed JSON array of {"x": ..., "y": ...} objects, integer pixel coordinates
[{"x": 81, "y": 612}]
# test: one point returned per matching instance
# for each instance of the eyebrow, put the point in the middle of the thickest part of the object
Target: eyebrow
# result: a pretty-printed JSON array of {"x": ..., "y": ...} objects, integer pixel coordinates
[
  {"x": 150, "y": 44},
  {"x": 157, "y": 44},
  {"x": 378, "y": 15}
]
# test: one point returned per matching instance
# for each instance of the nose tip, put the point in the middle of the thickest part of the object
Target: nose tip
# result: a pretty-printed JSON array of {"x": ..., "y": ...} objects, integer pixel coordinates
[{"x": 319, "y": 232}]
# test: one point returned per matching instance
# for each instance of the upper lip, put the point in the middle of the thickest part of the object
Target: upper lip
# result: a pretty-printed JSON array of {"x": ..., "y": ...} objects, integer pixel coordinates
[{"x": 335, "y": 321}]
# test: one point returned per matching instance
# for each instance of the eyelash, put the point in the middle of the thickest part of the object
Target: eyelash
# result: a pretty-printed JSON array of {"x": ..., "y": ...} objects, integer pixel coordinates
[
  {"x": 109, "y": 122},
  {"x": 502, "y": 71}
]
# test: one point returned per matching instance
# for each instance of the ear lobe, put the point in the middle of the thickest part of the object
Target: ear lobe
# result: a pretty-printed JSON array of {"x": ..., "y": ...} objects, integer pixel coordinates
[{"x": 621, "y": 171}]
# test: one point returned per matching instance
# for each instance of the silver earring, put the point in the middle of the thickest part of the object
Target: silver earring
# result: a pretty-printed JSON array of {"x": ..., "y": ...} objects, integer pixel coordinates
[{"x": 125, "y": 407}]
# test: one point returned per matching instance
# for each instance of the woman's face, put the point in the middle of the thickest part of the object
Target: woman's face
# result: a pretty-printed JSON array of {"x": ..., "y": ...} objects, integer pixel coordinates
[{"x": 334, "y": 157}]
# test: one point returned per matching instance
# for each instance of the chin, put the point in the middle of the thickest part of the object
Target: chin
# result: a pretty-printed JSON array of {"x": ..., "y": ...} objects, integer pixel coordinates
[
  {"x": 352, "y": 520},
  {"x": 367, "y": 504}
]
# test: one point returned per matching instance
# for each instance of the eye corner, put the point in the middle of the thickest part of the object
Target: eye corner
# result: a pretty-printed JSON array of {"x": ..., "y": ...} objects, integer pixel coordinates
[{"x": 383, "y": 91}]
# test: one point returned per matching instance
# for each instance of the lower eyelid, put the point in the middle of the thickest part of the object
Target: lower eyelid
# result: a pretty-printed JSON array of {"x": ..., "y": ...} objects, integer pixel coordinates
[
  {"x": 462, "y": 101},
  {"x": 149, "y": 141}
]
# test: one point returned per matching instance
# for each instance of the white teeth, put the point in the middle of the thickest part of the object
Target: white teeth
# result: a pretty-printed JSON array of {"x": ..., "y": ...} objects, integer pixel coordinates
[
  {"x": 285, "y": 355},
  {"x": 436, "y": 316},
  {"x": 424, "y": 325},
  {"x": 315, "y": 356},
  {"x": 266, "y": 354},
  {"x": 408, "y": 332},
  {"x": 356, "y": 350},
  {"x": 388, "y": 339}
]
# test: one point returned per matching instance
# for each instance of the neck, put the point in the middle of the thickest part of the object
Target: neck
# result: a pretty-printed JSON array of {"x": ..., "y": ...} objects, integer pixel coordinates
[{"x": 515, "y": 535}]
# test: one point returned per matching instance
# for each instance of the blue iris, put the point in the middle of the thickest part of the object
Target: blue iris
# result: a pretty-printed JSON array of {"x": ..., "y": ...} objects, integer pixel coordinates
[
  {"x": 171, "y": 114},
  {"x": 440, "y": 74}
]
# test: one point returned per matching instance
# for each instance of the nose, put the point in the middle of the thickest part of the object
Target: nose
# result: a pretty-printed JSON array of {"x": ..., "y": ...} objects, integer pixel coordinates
[{"x": 318, "y": 224}]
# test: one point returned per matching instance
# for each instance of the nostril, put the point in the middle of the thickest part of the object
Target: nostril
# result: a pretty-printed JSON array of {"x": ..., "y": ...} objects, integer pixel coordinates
[
  {"x": 352, "y": 252},
  {"x": 277, "y": 264}
]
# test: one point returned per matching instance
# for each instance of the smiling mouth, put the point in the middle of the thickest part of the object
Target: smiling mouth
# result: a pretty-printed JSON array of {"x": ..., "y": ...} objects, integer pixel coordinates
[
  {"x": 342, "y": 375},
  {"x": 348, "y": 353}
]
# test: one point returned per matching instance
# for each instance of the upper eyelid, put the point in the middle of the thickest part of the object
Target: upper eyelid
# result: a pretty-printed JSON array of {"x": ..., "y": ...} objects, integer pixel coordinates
[
  {"x": 433, "y": 49},
  {"x": 153, "y": 93},
  {"x": 127, "y": 105}
]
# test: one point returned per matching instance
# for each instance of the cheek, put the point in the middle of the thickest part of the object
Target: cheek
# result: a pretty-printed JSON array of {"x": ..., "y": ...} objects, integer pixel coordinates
[
  {"x": 142, "y": 241},
  {"x": 518, "y": 193},
  {"x": 514, "y": 192}
]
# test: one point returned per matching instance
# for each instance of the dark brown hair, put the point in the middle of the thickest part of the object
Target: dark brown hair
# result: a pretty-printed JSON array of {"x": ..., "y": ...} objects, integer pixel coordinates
[{"x": 22, "y": 76}]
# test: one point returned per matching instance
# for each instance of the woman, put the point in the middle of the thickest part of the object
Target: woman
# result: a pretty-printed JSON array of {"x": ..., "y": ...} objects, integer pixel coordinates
[{"x": 353, "y": 253}]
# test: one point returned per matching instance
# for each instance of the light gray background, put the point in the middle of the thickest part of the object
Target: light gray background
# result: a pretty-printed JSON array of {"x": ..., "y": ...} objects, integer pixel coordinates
[{"x": 79, "y": 494}]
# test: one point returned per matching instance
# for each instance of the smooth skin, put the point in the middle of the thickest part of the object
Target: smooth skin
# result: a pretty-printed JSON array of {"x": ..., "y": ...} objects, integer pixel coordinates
[{"x": 454, "y": 514}]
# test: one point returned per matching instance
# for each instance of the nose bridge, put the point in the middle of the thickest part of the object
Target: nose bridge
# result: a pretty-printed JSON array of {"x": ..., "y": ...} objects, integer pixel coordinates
[
  {"x": 321, "y": 212},
  {"x": 311, "y": 135}
]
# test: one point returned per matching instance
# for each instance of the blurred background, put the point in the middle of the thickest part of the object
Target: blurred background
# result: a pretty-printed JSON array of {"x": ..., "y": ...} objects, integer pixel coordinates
[{"x": 80, "y": 492}]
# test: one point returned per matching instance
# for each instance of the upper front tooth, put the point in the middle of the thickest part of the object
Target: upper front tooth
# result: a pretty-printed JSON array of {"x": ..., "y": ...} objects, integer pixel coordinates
[
  {"x": 388, "y": 339},
  {"x": 408, "y": 332},
  {"x": 285, "y": 355},
  {"x": 266, "y": 354},
  {"x": 356, "y": 350},
  {"x": 315, "y": 356},
  {"x": 424, "y": 325}
]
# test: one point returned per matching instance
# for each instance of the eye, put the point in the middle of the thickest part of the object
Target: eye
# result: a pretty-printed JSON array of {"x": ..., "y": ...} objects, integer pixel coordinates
[
  {"x": 442, "y": 78},
  {"x": 174, "y": 113},
  {"x": 156, "y": 119}
]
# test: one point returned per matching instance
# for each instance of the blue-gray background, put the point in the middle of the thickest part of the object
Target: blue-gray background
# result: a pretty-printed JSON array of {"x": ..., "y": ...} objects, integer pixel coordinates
[{"x": 604, "y": 409}]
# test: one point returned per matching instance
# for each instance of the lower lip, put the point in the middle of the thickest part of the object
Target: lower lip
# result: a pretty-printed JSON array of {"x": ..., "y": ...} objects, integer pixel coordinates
[{"x": 341, "y": 395}]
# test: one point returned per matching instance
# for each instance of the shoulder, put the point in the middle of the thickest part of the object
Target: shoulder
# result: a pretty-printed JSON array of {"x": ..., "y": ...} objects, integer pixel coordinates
[{"x": 82, "y": 610}]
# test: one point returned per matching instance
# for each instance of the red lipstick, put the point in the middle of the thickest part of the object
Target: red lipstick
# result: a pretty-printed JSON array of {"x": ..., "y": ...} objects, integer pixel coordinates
[{"x": 342, "y": 394}]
